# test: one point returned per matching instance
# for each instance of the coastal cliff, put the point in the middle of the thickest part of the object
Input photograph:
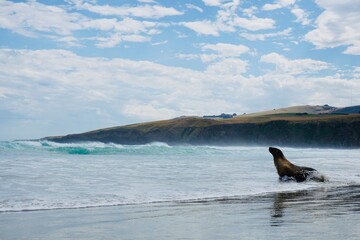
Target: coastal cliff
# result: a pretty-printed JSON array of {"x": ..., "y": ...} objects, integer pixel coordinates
[{"x": 289, "y": 129}]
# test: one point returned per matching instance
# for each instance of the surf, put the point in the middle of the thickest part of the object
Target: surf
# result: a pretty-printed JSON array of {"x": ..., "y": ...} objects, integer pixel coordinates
[{"x": 41, "y": 175}]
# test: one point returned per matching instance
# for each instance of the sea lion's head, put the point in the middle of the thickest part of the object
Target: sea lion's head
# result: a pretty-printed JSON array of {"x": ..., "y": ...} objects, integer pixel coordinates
[{"x": 277, "y": 153}]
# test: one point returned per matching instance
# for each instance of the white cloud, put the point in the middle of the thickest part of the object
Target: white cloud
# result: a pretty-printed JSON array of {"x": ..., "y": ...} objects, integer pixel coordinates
[
  {"x": 192, "y": 6},
  {"x": 219, "y": 51},
  {"x": 148, "y": 110},
  {"x": 254, "y": 23},
  {"x": 125, "y": 26},
  {"x": 299, "y": 66},
  {"x": 301, "y": 16},
  {"x": 68, "y": 41},
  {"x": 33, "y": 18},
  {"x": 203, "y": 27},
  {"x": 135, "y": 38},
  {"x": 126, "y": 30},
  {"x": 186, "y": 56},
  {"x": 226, "y": 50},
  {"x": 131, "y": 25},
  {"x": 160, "y": 43},
  {"x": 146, "y": 1},
  {"x": 206, "y": 58},
  {"x": 278, "y": 4},
  {"x": 65, "y": 90},
  {"x": 263, "y": 36},
  {"x": 104, "y": 24},
  {"x": 142, "y": 11},
  {"x": 228, "y": 67},
  {"x": 50, "y": 86},
  {"x": 353, "y": 50},
  {"x": 63, "y": 75},
  {"x": 338, "y": 25},
  {"x": 54, "y": 83},
  {"x": 116, "y": 39},
  {"x": 228, "y": 20},
  {"x": 356, "y": 72},
  {"x": 250, "y": 11},
  {"x": 212, "y": 2}
]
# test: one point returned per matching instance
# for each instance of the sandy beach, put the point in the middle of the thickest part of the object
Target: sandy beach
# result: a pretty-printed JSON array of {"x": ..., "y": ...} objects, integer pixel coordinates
[{"x": 321, "y": 214}]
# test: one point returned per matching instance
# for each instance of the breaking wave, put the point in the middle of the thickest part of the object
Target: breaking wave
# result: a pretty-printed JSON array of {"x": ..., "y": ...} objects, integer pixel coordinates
[
  {"x": 44, "y": 175},
  {"x": 99, "y": 148},
  {"x": 84, "y": 148}
]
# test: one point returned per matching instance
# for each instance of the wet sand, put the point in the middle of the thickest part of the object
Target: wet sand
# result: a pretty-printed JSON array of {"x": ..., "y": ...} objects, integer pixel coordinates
[{"x": 322, "y": 213}]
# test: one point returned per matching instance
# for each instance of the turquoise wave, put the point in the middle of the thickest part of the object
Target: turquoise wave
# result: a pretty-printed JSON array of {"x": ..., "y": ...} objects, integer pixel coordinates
[
  {"x": 84, "y": 148},
  {"x": 98, "y": 148}
]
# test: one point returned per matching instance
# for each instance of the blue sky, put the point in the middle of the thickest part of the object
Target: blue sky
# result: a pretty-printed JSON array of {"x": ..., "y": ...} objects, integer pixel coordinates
[{"x": 78, "y": 65}]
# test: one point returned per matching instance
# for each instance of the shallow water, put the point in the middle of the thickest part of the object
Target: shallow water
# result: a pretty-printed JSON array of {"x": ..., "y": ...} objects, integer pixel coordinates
[{"x": 96, "y": 190}]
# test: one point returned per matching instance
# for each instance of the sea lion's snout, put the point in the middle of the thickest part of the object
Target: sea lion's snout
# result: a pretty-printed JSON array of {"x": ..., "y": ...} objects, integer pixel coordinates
[
  {"x": 272, "y": 150},
  {"x": 275, "y": 152}
]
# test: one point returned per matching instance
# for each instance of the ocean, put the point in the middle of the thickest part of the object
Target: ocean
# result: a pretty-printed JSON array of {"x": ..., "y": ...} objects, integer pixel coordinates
[{"x": 95, "y": 190}]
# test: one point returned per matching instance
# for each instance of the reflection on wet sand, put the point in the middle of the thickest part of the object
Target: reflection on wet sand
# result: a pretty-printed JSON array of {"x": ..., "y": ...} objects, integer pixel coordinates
[
  {"x": 281, "y": 202},
  {"x": 292, "y": 207}
]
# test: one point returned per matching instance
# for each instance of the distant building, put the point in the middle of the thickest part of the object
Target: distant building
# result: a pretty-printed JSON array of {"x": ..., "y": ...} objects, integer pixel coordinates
[{"x": 223, "y": 115}]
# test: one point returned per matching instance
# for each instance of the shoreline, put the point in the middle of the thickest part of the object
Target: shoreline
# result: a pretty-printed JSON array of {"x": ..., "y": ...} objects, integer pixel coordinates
[
  {"x": 256, "y": 216},
  {"x": 154, "y": 143}
]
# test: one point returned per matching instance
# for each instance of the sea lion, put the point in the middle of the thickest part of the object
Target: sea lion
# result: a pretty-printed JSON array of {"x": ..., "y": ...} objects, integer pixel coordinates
[{"x": 289, "y": 171}]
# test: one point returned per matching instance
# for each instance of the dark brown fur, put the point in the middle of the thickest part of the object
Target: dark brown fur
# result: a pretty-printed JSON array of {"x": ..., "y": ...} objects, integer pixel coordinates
[{"x": 287, "y": 170}]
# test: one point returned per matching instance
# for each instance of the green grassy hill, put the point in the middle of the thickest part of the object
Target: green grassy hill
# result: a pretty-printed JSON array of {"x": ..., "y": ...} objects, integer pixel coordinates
[{"x": 284, "y": 129}]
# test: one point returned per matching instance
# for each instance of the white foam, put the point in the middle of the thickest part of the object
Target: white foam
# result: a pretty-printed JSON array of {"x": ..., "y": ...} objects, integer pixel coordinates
[
  {"x": 158, "y": 144},
  {"x": 154, "y": 173}
]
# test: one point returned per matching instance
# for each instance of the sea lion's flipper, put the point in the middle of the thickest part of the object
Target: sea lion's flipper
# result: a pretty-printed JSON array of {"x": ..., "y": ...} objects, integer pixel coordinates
[
  {"x": 312, "y": 175},
  {"x": 301, "y": 175},
  {"x": 308, "y": 169},
  {"x": 304, "y": 174},
  {"x": 287, "y": 179},
  {"x": 317, "y": 177}
]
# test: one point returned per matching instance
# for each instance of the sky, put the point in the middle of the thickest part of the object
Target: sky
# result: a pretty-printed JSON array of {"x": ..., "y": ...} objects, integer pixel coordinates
[{"x": 78, "y": 65}]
